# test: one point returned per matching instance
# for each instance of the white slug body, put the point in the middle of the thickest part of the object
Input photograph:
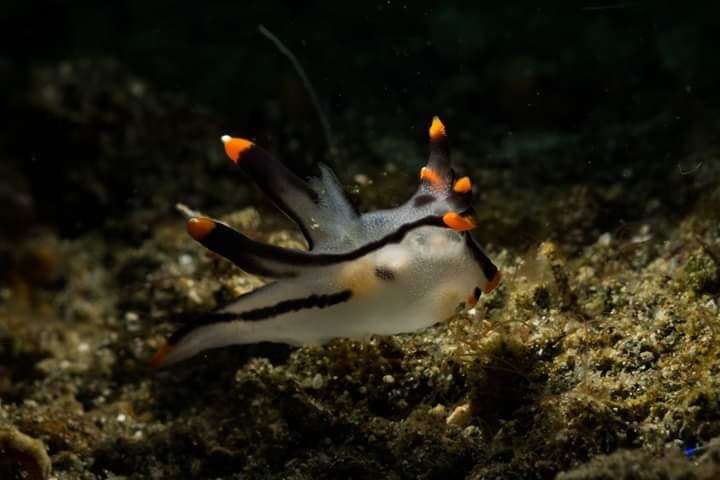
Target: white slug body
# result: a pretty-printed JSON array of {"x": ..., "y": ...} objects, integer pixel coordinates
[
  {"x": 384, "y": 273},
  {"x": 399, "y": 288}
]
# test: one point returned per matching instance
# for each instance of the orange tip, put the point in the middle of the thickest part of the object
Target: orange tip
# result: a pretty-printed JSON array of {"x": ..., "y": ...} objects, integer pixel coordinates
[
  {"x": 463, "y": 185},
  {"x": 200, "y": 227},
  {"x": 160, "y": 356},
  {"x": 235, "y": 147},
  {"x": 458, "y": 222},
  {"x": 471, "y": 301},
  {"x": 493, "y": 283},
  {"x": 430, "y": 175},
  {"x": 437, "y": 129}
]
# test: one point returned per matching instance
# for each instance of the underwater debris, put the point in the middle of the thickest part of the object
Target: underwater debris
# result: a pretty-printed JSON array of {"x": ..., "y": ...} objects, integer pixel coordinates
[
  {"x": 559, "y": 271},
  {"x": 460, "y": 416}
]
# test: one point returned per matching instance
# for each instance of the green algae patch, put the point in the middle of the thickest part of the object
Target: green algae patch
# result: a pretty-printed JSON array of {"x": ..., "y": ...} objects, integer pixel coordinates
[
  {"x": 642, "y": 465},
  {"x": 702, "y": 273}
]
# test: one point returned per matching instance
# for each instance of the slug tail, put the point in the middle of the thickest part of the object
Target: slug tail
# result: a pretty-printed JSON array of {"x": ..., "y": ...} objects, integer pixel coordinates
[
  {"x": 191, "y": 340},
  {"x": 158, "y": 359}
]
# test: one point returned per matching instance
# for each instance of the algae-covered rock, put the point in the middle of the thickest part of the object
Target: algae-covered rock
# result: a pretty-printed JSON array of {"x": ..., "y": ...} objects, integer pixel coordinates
[
  {"x": 22, "y": 456},
  {"x": 702, "y": 272},
  {"x": 642, "y": 465}
]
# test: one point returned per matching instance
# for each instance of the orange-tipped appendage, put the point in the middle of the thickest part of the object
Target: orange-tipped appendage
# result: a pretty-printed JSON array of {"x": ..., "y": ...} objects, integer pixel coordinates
[
  {"x": 431, "y": 176},
  {"x": 458, "y": 222},
  {"x": 157, "y": 359},
  {"x": 471, "y": 301},
  {"x": 493, "y": 283},
  {"x": 235, "y": 147},
  {"x": 199, "y": 227},
  {"x": 463, "y": 185},
  {"x": 437, "y": 129}
]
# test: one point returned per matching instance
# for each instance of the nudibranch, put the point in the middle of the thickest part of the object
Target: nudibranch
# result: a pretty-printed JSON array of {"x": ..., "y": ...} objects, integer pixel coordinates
[{"x": 378, "y": 273}]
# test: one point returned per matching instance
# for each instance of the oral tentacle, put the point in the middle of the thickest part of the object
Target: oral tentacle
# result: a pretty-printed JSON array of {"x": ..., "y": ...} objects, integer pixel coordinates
[
  {"x": 291, "y": 194},
  {"x": 272, "y": 261},
  {"x": 253, "y": 257}
]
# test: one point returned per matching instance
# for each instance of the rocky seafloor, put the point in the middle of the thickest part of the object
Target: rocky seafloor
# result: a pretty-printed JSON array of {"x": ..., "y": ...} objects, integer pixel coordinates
[{"x": 597, "y": 358}]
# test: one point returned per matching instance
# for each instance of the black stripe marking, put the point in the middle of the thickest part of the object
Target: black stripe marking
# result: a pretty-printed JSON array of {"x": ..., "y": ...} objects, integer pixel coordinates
[
  {"x": 249, "y": 254},
  {"x": 384, "y": 273},
  {"x": 422, "y": 200},
  {"x": 257, "y": 314},
  {"x": 488, "y": 267},
  {"x": 293, "y": 305}
]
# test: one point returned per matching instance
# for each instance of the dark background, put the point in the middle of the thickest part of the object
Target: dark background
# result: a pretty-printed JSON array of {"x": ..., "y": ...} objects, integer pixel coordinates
[{"x": 114, "y": 107}]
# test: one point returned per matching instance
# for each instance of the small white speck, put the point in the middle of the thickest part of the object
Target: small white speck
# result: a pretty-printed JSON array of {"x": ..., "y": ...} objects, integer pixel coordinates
[
  {"x": 83, "y": 347},
  {"x": 121, "y": 418},
  {"x": 225, "y": 138},
  {"x": 137, "y": 89},
  {"x": 605, "y": 239},
  {"x": 389, "y": 379}
]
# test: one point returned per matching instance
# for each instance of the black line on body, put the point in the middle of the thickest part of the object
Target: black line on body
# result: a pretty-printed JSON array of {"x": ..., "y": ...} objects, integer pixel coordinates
[
  {"x": 257, "y": 314},
  {"x": 384, "y": 273},
  {"x": 286, "y": 306},
  {"x": 488, "y": 267},
  {"x": 241, "y": 250},
  {"x": 422, "y": 200}
]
